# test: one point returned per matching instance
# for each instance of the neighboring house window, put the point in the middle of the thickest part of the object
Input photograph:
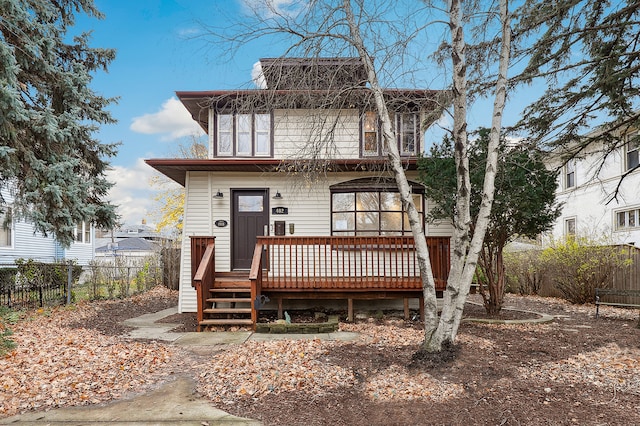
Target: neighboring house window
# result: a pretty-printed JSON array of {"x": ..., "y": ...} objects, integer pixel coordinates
[
  {"x": 627, "y": 219},
  {"x": 6, "y": 227},
  {"x": 570, "y": 174},
  {"x": 408, "y": 134},
  {"x": 83, "y": 233},
  {"x": 374, "y": 211},
  {"x": 632, "y": 146},
  {"x": 570, "y": 226},
  {"x": 243, "y": 135}
]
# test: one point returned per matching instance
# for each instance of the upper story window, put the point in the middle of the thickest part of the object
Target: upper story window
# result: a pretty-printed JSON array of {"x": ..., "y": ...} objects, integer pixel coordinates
[
  {"x": 83, "y": 233},
  {"x": 6, "y": 227},
  {"x": 627, "y": 219},
  {"x": 243, "y": 135},
  {"x": 407, "y": 134},
  {"x": 631, "y": 148},
  {"x": 570, "y": 174}
]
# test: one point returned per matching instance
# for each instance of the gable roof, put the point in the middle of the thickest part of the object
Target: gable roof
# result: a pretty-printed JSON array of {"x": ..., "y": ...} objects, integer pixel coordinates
[{"x": 129, "y": 244}]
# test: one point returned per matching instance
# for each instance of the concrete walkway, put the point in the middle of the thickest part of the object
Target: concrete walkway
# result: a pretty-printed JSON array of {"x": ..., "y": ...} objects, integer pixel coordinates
[{"x": 173, "y": 403}]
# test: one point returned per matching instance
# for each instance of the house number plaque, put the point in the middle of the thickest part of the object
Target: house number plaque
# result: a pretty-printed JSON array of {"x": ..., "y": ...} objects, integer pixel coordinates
[
  {"x": 279, "y": 210},
  {"x": 221, "y": 223}
]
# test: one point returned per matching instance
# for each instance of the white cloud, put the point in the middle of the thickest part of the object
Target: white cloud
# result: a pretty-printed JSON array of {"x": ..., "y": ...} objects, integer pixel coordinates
[
  {"x": 258, "y": 77},
  {"x": 274, "y": 8},
  {"x": 132, "y": 191},
  {"x": 173, "y": 120}
]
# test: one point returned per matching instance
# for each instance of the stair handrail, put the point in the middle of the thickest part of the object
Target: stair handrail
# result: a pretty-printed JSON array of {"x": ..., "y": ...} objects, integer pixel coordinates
[
  {"x": 203, "y": 279},
  {"x": 255, "y": 276}
]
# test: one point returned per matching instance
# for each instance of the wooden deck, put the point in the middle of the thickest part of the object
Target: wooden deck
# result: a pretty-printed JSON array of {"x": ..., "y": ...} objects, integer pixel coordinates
[{"x": 348, "y": 268}]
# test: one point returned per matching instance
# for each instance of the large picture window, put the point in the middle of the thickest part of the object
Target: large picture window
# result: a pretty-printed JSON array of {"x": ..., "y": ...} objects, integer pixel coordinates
[
  {"x": 6, "y": 227},
  {"x": 243, "y": 135},
  {"x": 370, "y": 211},
  {"x": 407, "y": 134}
]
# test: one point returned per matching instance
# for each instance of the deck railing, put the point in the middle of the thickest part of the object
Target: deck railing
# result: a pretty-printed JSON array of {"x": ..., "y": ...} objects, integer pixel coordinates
[
  {"x": 345, "y": 263},
  {"x": 203, "y": 270}
]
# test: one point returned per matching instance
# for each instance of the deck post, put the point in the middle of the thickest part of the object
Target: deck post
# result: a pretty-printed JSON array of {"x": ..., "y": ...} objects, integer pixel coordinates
[
  {"x": 350, "y": 310},
  {"x": 406, "y": 308},
  {"x": 280, "y": 313}
]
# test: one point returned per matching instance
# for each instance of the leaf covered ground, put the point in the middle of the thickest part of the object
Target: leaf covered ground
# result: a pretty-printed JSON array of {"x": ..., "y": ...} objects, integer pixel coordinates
[{"x": 574, "y": 370}]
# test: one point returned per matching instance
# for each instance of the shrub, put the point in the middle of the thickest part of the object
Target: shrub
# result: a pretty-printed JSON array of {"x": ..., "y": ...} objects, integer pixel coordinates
[
  {"x": 523, "y": 272},
  {"x": 579, "y": 265},
  {"x": 7, "y": 317}
]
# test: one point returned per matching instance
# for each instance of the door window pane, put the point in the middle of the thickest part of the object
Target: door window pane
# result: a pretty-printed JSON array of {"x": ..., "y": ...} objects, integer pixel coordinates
[{"x": 250, "y": 203}]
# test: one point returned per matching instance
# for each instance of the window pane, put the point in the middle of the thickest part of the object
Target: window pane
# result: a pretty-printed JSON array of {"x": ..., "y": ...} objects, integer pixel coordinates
[
  {"x": 367, "y": 221},
  {"x": 344, "y": 222},
  {"x": 87, "y": 233},
  {"x": 79, "y": 232},
  {"x": 344, "y": 202},
  {"x": 225, "y": 134},
  {"x": 390, "y": 201},
  {"x": 244, "y": 133},
  {"x": 5, "y": 227},
  {"x": 370, "y": 133},
  {"x": 263, "y": 129},
  {"x": 570, "y": 225},
  {"x": 250, "y": 203},
  {"x": 417, "y": 200},
  {"x": 408, "y": 133},
  {"x": 407, "y": 225},
  {"x": 391, "y": 221},
  {"x": 621, "y": 219},
  {"x": 632, "y": 218},
  {"x": 367, "y": 201}
]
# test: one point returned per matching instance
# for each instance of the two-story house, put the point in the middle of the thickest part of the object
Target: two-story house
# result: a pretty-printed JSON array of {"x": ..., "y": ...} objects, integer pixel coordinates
[
  {"x": 597, "y": 200},
  {"x": 19, "y": 240},
  {"x": 298, "y": 160}
]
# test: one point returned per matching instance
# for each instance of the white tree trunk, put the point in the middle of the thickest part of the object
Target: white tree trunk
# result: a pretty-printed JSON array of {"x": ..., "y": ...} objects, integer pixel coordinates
[
  {"x": 465, "y": 254},
  {"x": 422, "y": 250}
]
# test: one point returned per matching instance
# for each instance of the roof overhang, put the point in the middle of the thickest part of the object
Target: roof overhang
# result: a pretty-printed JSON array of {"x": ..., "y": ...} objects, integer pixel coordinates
[{"x": 177, "y": 168}]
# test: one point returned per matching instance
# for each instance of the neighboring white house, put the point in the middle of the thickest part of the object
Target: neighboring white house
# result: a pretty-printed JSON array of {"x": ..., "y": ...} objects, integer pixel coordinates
[
  {"x": 261, "y": 142},
  {"x": 19, "y": 240},
  {"x": 587, "y": 187}
]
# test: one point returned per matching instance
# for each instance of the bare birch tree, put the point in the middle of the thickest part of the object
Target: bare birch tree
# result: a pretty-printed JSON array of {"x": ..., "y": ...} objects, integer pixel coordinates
[{"x": 356, "y": 27}]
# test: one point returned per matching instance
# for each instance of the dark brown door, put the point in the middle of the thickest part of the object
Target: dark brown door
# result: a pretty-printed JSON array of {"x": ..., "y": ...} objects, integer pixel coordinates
[{"x": 250, "y": 219}]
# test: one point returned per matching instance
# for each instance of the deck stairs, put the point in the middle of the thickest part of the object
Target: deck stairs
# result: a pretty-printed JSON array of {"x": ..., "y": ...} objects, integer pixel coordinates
[{"x": 229, "y": 301}]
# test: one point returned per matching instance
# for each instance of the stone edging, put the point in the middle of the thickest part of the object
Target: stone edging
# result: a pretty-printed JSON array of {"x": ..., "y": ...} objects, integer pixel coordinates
[
  {"x": 544, "y": 318},
  {"x": 330, "y": 326}
]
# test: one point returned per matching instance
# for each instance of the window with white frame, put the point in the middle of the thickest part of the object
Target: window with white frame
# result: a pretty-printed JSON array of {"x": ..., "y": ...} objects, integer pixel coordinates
[
  {"x": 631, "y": 147},
  {"x": 570, "y": 174},
  {"x": 83, "y": 233},
  {"x": 570, "y": 226},
  {"x": 627, "y": 219},
  {"x": 243, "y": 135},
  {"x": 407, "y": 134},
  {"x": 6, "y": 227}
]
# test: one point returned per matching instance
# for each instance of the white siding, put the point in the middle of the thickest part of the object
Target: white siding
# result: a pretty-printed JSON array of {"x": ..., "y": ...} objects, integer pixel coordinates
[
  {"x": 305, "y": 134},
  {"x": 197, "y": 207},
  {"x": 590, "y": 202}
]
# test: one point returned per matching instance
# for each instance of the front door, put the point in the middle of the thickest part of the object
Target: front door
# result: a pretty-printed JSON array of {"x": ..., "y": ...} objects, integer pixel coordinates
[{"x": 250, "y": 219}]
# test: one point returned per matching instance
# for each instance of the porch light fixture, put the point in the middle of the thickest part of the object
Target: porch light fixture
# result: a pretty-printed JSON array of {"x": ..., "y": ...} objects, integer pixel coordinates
[
  {"x": 218, "y": 194},
  {"x": 278, "y": 196}
]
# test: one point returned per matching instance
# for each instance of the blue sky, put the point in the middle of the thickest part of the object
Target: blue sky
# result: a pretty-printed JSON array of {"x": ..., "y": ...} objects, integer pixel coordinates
[{"x": 158, "y": 54}]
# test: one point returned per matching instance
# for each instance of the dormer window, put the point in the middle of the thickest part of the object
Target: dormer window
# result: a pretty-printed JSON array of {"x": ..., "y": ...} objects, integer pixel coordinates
[
  {"x": 243, "y": 135},
  {"x": 407, "y": 134}
]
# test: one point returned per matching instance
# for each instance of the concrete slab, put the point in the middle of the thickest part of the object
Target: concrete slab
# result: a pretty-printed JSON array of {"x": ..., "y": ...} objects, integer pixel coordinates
[
  {"x": 339, "y": 335},
  {"x": 174, "y": 403},
  {"x": 206, "y": 338}
]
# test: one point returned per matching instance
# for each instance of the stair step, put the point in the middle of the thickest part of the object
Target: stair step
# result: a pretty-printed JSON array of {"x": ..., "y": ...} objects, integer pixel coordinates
[
  {"x": 227, "y": 311},
  {"x": 229, "y": 300},
  {"x": 228, "y": 321},
  {"x": 230, "y": 290},
  {"x": 231, "y": 283}
]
